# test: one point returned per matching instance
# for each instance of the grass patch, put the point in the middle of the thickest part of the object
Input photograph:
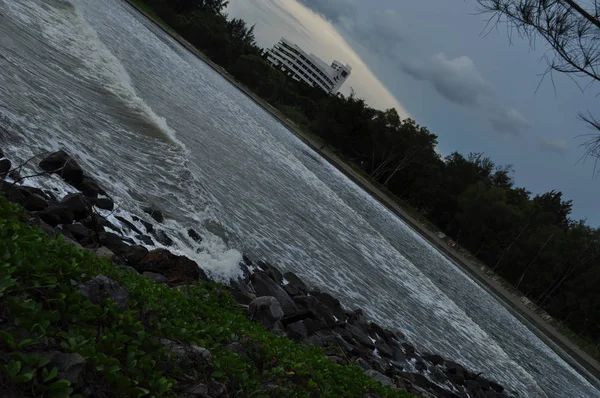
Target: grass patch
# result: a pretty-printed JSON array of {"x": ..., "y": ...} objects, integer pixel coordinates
[{"x": 42, "y": 309}]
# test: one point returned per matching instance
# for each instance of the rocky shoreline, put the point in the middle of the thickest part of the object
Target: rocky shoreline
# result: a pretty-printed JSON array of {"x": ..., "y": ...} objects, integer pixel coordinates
[{"x": 281, "y": 302}]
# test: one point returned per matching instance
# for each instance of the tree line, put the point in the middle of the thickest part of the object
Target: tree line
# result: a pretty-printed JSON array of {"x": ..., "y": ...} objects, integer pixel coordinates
[{"x": 530, "y": 240}]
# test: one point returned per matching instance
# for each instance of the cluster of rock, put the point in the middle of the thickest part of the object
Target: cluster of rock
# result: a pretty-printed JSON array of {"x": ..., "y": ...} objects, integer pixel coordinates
[
  {"x": 285, "y": 305},
  {"x": 282, "y": 303}
]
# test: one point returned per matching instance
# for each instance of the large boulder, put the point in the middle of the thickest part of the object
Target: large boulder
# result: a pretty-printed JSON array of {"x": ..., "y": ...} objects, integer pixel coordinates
[
  {"x": 78, "y": 204},
  {"x": 103, "y": 203},
  {"x": 265, "y": 286},
  {"x": 101, "y": 288},
  {"x": 36, "y": 202},
  {"x": 271, "y": 271},
  {"x": 293, "y": 280},
  {"x": 5, "y": 166},
  {"x": 56, "y": 214},
  {"x": 89, "y": 187},
  {"x": 177, "y": 269},
  {"x": 317, "y": 310},
  {"x": 297, "y": 331},
  {"x": 265, "y": 310},
  {"x": 332, "y": 303},
  {"x": 155, "y": 213},
  {"x": 64, "y": 165},
  {"x": 383, "y": 379},
  {"x": 82, "y": 234}
]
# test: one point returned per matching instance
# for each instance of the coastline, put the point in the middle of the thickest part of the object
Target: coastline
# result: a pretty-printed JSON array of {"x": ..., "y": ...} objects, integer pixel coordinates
[{"x": 568, "y": 351}]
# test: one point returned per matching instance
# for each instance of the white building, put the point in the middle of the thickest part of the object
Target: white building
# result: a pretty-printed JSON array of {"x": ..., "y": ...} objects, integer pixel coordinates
[{"x": 308, "y": 68}]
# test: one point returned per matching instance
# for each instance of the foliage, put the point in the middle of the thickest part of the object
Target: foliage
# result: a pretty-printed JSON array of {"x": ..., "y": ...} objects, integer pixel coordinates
[{"x": 42, "y": 309}]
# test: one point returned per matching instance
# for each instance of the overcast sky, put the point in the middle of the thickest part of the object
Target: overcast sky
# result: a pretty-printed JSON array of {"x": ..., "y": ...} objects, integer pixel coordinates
[{"x": 434, "y": 62}]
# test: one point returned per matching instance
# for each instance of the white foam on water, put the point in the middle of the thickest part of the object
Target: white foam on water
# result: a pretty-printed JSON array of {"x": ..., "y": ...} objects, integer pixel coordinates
[{"x": 67, "y": 31}]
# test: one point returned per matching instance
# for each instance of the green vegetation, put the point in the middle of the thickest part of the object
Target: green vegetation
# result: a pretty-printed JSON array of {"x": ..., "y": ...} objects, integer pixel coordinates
[
  {"x": 527, "y": 239},
  {"x": 42, "y": 309}
]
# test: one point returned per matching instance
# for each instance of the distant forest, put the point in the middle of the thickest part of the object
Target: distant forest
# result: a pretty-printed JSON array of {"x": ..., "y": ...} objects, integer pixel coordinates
[{"x": 530, "y": 240}]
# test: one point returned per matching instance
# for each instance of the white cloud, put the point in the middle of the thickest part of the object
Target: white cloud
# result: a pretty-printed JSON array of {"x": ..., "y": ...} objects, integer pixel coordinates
[
  {"x": 456, "y": 79},
  {"x": 548, "y": 144},
  {"x": 508, "y": 121}
]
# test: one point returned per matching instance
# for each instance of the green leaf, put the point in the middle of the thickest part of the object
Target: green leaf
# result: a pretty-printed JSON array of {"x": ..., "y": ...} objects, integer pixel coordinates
[
  {"x": 59, "y": 384},
  {"x": 23, "y": 378},
  {"x": 53, "y": 373},
  {"x": 13, "y": 367}
]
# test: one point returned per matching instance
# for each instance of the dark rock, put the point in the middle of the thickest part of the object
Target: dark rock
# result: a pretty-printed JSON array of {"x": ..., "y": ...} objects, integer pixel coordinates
[
  {"x": 56, "y": 214},
  {"x": 292, "y": 290},
  {"x": 380, "y": 366},
  {"x": 294, "y": 280},
  {"x": 64, "y": 165},
  {"x": 247, "y": 260},
  {"x": 12, "y": 193},
  {"x": 199, "y": 390},
  {"x": 297, "y": 331},
  {"x": 155, "y": 213},
  {"x": 69, "y": 366},
  {"x": 237, "y": 348},
  {"x": 89, "y": 187},
  {"x": 339, "y": 360},
  {"x": 420, "y": 366},
  {"x": 483, "y": 383},
  {"x": 322, "y": 338},
  {"x": 81, "y": 234},
  {"x": 158, "y": 278},
  {"x": 330, "y": 302},
  {"x": 271, "y": 271},
  {"x": 359, "y": 336},
  {"x": 28, "y": 191},
  {"x": 194, "y": 235},
  {"x": 217, "y": 390},
  {"x": 129, "y": 224},
  {"x": 5, "y": 166},
  {"x": 265, "y": 310},
  {"x": 361, "y": 363},
  {"x": 103, "y": 203},
  {"x": 145, "y": 239},
  {"x": 313, "y": 325},
  {"x": 78, "y": 205},
  {"x": 385, "y": 334},
  {"x": 241, "y": 294},
  {"x": 162, "y": 237},
  {"x": 434, "y": 359},
  {"x": 373, "y": 374},
  {"x": 187, "y": 355},
  {"x": 385, "y": 350},
  {"x": 357, "y": 317},
  {"x": 36, "y": 202},
  {"x": 495, "y": 386},
  {"x": 409, "y": 350},
  {"x": 177, "y": 269},
  {"x": 149, "y": 227},
  {"x": 104, "y": 252},
  {"x": 101, "y": 288},
  {"x": 319, "y": 310},
  {"x": 472, "y": 386},
  {"x": 134, "y": 254},
  {"x": 265, "y": 286}
]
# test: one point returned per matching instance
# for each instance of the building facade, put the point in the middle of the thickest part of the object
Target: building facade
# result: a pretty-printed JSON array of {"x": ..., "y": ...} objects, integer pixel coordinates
[{"x": 308, "y": 68}]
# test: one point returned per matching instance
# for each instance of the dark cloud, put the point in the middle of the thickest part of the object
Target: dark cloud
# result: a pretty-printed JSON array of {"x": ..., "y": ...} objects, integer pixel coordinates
[
  {"x": 508, "y": 121},
  {"x": 551, "y": 145},
  {"x": 333, "y": 10},
  {"x": 455, "y": 79}
]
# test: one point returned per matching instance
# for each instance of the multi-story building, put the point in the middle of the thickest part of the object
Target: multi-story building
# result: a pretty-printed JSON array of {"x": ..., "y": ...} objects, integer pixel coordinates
[{"x": 308, "y": 68}]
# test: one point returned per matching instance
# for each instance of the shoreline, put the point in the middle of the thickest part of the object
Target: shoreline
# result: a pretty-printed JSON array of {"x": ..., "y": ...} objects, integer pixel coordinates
[{"x": 569, "y": 352}]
